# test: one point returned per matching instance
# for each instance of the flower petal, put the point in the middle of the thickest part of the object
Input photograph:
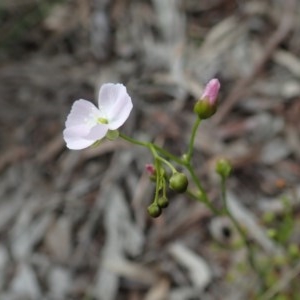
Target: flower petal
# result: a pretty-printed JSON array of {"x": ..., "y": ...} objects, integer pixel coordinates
[
  {"x": 97, "y": 132},
  {"x": 76, "y": 131},
  {"x": 116, "y": 104},
  {"x": 211, "y": 91},
  {"x": 78, "y": 143},
  {"x": 73, "y": 139},
  {"x": 83, "y": 136},
  {"x": 120, "y": 114},
  {"x": 82, "y": 112}
]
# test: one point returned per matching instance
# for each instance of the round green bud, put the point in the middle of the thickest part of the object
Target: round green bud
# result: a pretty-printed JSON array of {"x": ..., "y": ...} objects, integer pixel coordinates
[
  {"x": 204, "y": 109},
  {"x": 154, "y": 210},
  {"x": 184, "y": 158},
  {"x": 223, "y": 167},
  {"x": 178, "y": 182},
  {"x": 163, "y": 172},
  {"x": 162, "y": 202},
  {"x": 199, "y": 194},
  {"x": 112, "y": 135}
]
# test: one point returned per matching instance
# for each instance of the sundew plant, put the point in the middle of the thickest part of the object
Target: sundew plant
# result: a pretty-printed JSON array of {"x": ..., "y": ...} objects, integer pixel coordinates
[{"x": 87, "y": 125}]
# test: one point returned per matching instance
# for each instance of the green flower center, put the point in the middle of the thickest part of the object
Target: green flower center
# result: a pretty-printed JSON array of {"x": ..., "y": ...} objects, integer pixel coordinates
[{"x": 102, "y": 121}]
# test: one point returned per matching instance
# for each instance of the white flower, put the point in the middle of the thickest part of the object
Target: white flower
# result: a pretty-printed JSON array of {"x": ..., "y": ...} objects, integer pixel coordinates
[{"x": 87, "y": 124}]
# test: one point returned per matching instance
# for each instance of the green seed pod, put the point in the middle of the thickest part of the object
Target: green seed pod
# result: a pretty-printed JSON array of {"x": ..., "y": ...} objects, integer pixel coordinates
[
  {"x": 178, "y": 182},
  {"x": 154, "y": 210},
  {"x": 162, "y": 202},
  {"x": 223, "y": 167}
]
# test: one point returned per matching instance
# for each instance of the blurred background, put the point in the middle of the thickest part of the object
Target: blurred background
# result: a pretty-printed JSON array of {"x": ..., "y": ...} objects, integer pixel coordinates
[{"x": 73, "y": 224}]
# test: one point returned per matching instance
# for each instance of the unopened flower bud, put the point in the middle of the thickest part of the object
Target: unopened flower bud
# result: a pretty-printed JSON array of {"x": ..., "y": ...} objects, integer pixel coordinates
[
  {"x": 150, "y": 169},
  {"x": 185, "y": 158},
  {"x": 206, "y": 106},
  {"x": 162, "y": 202},
  {"x": 178, "y": 182},
  {"x": 154, "y": 210},
  {"x": 223, "y": 167}
]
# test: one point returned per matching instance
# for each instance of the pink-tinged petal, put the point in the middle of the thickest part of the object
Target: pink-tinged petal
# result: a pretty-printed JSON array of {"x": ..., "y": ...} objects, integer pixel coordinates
[
  {"x": 120, "y": 114},
  {"x": 76, "y": 131},
  {"x": 97, "y": 132},
  {"x": 82, "y": 112},
  {"x": 211, "y": 91},
  {"x": 109, "y": 94},
  {"x": 78, "y": 143},
  {"x": 116, "y": 104},
  {"x": 84, "y": 135}
]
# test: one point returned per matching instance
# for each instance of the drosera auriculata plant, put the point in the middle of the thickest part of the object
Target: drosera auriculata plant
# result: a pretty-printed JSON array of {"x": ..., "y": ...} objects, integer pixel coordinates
[{"x": 87, "y": 125}]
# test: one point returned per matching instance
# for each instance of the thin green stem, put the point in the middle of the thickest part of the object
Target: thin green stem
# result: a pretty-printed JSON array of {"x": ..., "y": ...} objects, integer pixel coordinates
[
  {"x": 236, "y": 224},
  {"x": 203, "y": 198},
  {"x": 134, "y": 141},
  {"x": 158, "y": 176},
  {"x": 161, "y": 159},
  {"x": 167, "y": 163},
  {"x": 192, "y": 195},
  {"x": 151, "y": 145},
  {"x": 192, "y": 140},
  {"x": 168, "y": 154}
]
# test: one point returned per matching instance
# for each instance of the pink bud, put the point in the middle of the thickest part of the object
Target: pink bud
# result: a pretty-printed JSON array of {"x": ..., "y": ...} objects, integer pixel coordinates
[
  {"x": 211, "y": 91},
  {"x": 150, "y": 169}
]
